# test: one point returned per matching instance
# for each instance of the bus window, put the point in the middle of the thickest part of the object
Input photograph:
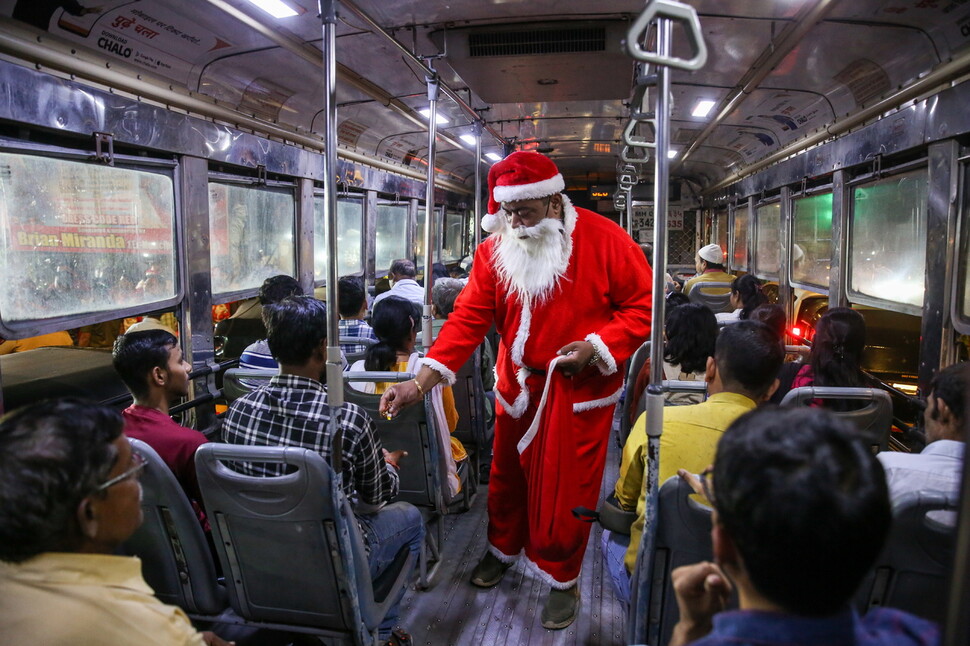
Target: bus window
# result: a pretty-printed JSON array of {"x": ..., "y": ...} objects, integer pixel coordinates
[
  {"x": 887, "y": 248},
  {"x": 419, "y": 237},
  {"x": 453, "y": 247},
  {"x": 721, "y": 223},
  {"x": 350, "y": 223},
  {"x": 251, "y": 235},
  {"x": 811, "y": 251},
  {"x": 739, "y": 244},
  {"x": 392, "y": 234},
  {"x": 767, "y": 239},
  {"x": 87, "y": 238}
]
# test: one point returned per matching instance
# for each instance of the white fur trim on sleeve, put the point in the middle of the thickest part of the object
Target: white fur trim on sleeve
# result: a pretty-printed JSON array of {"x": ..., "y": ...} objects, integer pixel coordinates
[
  {"x": 441, "y": 369},
  {"x": 533, "y": 191},
  {"x": 579, "y": 407},
  {"x": 606, "y": 364}
]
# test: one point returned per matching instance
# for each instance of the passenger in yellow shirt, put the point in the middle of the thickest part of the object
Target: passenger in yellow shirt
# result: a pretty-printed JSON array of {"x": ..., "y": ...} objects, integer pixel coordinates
[
  {"x": 32, "y": 343},
  {"x": 709, "y": 263},
  {"x": 69, "y": 497},
  {"x": 741, "y": 374}
]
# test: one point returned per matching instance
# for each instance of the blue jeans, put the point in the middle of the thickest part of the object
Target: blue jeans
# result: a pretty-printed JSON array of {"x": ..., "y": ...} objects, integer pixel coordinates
[
  {"x": 393, "y": 527},
  {"x": 614, "y": 549}
]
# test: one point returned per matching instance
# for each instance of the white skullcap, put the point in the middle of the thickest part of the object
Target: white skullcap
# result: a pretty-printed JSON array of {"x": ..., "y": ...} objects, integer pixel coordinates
[{"x": 712, "y": 253}]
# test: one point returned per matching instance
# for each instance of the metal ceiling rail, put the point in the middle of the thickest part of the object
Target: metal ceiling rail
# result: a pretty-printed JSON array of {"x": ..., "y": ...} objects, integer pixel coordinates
[
  {"x": 772, "y": 55},
  {"x": 44, "y": 50},
  {"x": 941, "y": 75},
  {"x": 312, "y": 55},
  {"x": 450, "y": 93}
]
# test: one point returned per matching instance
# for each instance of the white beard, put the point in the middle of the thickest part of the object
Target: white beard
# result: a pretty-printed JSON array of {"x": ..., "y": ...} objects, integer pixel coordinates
[{"x": 530, "y": 261}]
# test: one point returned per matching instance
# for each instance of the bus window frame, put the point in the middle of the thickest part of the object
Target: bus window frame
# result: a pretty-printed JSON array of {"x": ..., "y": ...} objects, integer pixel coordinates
[
  {"x": 753, "y": 232},
  {"x": 164, "y": 166},
  {"x": 220, "y": 298},
  {"x": 733, "y": 209},
  {"x": 855, "y": 297},
  {"x": 960, "y": 264},
  {"x": 811, "y": 192},
  {"x": 347, "y": 195},
  {"x": 715, "y": 236}
]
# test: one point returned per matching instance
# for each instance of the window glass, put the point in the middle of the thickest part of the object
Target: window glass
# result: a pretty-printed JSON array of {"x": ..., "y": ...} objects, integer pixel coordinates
[
  {"x": 811, "y": 253},
  {"x": 435, "y": 237},
  {"x": 77, "y": 237},
  {"x": 887, "y": 249},
  {"x": 392, "y": 238},
  {"x": 721, "y": 222},
  {"x": 250, "y": 234},
  {"x": 350, "y": 223},
  {"x": 768, "y": 240},
  {"x": 453, "y": 245},
  {"x": 739, "y": 258}
]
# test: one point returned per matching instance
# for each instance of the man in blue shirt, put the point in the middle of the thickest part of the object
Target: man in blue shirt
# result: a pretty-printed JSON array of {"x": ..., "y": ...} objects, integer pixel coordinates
[
  {"x": 352, "y": 302},
  {"x": 801, "y": 510}
]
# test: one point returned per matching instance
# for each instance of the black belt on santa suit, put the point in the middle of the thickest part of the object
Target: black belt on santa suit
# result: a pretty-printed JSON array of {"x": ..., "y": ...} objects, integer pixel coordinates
[{"x": 535, "y": 371}]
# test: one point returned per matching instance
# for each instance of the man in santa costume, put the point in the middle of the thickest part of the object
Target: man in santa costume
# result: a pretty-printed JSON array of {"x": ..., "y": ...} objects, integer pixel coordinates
[{"x": 570, "y": 294}]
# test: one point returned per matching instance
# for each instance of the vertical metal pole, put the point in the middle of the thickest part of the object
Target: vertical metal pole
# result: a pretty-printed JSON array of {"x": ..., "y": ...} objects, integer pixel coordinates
[
  {"x": 478, "y": 185},
  {"x": 629, "y": 214},
  {"x": 840, "y": 241},
  {"x": 433, "y": 87},
  {"x": 642, "y": 582},
  {"x": 785, "y": 296},
  {"x": 335, "y": 384}
]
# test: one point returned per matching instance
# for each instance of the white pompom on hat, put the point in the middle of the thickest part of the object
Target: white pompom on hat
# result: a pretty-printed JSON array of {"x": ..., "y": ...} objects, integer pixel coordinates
[
  {"x": 520, "y": 176},
  {"x": 712, "y": 253}
]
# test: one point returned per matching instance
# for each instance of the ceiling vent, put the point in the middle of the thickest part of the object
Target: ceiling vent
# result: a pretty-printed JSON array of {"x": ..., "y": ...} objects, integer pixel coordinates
[{"x": 569, "y": 40}]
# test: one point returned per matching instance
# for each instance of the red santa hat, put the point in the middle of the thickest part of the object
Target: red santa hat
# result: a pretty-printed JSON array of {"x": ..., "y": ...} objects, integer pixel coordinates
[{"x": 520, "y": 176}]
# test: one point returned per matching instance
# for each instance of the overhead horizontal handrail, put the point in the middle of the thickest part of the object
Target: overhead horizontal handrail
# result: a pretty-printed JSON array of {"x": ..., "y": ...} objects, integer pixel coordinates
[{"x": 675, "y": 11}]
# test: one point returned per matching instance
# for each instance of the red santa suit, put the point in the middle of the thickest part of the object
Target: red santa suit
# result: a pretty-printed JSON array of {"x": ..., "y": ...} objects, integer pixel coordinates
[{"x": 551, "y": 432}]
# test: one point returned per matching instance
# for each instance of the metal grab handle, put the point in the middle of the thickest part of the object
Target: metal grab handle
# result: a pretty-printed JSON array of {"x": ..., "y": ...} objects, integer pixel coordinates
[
  {"x": 676, "y": 11},
  {"x": 630, "y": 157},
  {"x": 639, "y": 142}
]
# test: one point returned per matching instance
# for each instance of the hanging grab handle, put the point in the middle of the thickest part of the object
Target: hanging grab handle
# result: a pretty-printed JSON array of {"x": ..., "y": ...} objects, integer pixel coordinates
[{"x": 676, "y": 11}]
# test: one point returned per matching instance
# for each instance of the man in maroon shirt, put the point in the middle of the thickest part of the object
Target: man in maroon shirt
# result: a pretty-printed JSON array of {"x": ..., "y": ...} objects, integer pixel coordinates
[{"x": 151, "y": 365}]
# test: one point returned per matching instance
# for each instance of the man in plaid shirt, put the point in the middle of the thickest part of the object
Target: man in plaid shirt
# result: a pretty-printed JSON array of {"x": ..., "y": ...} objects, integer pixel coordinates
[
  {"x": 292, "y": 410},
  {"x": 352, "y": 301}
]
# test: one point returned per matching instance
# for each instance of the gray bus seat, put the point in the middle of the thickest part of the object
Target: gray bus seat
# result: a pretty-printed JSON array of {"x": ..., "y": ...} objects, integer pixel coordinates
[
  {"x": 912, "y": 571},
  {"x": 717, "y": 302},
  {"x": 176, "y": 559},
  {"x": 631, "y": 399},
  {"x": 355, "y": 340},
  {"x": 470, "y": 403},
  {"x": 237, "y": 382},
  {"x": 672, "y": 386},
  {"x": 290, "y": 545},
  {"x": 424, "y": 470},
  {"x": 874, "y": 420}
]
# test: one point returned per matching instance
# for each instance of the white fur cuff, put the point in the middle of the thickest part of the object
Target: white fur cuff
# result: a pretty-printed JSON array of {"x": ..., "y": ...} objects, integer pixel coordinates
[
  {"x": 606, "y": 364},
  {"x": 441, "y": 369}
]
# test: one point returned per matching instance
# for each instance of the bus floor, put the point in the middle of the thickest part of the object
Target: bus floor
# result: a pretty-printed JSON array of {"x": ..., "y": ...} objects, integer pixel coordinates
[{"x": 454, "y": 612}]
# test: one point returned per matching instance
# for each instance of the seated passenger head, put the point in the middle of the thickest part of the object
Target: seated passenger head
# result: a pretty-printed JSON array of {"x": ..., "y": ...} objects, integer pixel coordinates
[
  {"x": 709, "y": 257},
  {"x": 840, "y": 339},
  {"x": 403, "y": 268},
  {"x": 68, "y": 480},
  {"x": 443, "y": 295},
  {"x": 676, "y": 299},
  {"x": 296, "y": 330},
  {"x": 802, "y": 508},
  {"x": 946, "y": 403},
  {"x": 690, "y": 332},
  {"x": 746, "y": 294},
  {"x": 396, "y": 322},
  {"x": 352, "y": 298},
  {"x": 151, "y": 361},
  {"x": 276, "y": 288},
  {"x": 772, "y": 315},
  {"x": 748, "y": 358},
  {"x": 438, "y": 270}
]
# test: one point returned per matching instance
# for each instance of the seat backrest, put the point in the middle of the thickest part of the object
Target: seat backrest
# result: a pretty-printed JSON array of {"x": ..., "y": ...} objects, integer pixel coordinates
[
  {"x": 702, "y": 293},
  {"x": 355, "y": 340},
  {"x": 683, "y": 537},
  {"x": 176, "y": 559},
  {"x": 911, "y": 573},
  {"x": 634, "y": 366},
  {"x": 874, "y": 420},
  {"x": 470, "y": 403},
  {"x": 237, "y": 382},
  {"x": 423, "y": 471},
  {"x": 278, "y": 539}
]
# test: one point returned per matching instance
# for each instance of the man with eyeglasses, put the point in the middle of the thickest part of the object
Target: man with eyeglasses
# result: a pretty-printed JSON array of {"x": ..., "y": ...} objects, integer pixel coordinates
[
  {"x": 69, "y": 497},
  {"x": 801, "y": 511},
  {"x": 569, "y": 293}
]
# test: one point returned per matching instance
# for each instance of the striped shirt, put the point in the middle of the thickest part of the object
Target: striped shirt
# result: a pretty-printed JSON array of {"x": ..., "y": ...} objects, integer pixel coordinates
[
  {"x": 258, "y": 357},
  {"x": 358, "y": 329},
  {"x": 293, "y": 411}
]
